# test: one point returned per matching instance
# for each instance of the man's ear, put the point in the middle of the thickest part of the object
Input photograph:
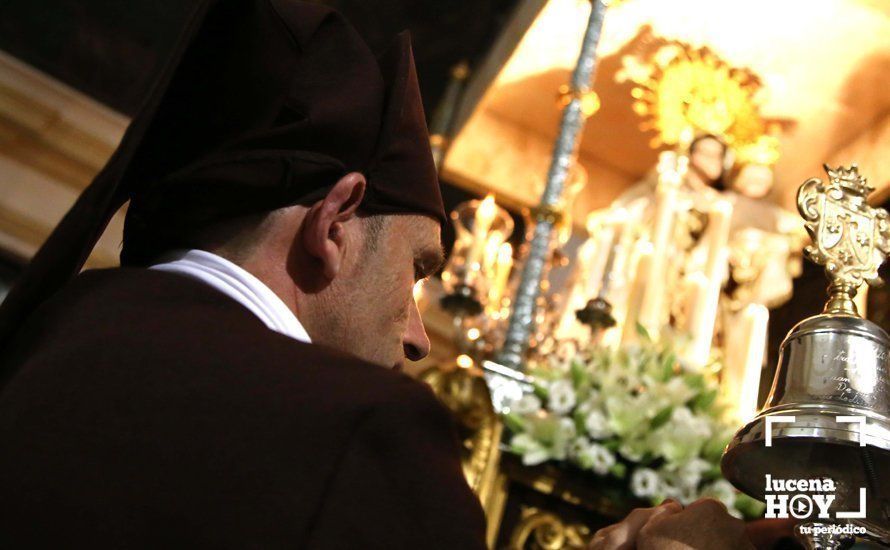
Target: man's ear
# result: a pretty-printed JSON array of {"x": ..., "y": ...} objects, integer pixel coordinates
[{"x": 322, "y": 232}]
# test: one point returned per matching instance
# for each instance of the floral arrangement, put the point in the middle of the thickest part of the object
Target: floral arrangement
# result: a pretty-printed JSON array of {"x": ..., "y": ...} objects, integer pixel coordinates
[{"x": 635, "y": 413}]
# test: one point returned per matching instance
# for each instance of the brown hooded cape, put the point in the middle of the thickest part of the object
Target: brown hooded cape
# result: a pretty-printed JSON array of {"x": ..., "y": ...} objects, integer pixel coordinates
[{"x": 145, "y": 409}]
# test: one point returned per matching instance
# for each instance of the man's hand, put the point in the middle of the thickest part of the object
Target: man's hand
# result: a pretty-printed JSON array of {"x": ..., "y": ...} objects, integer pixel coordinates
[
  {"x": 623, "y": 535},
  {"x": 702, "y": 525}
]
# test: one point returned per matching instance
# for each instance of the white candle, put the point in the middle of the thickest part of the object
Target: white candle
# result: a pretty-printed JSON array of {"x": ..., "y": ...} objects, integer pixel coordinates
[
  {"x": 746, "y": 345},
  {"x": 611, "y": 242},
  {"x": 577, "y": 296},
  {"x": 696, "y": 291},
  {"x": 652, "y": 307},
  {"x": 599, "y": 258},
  {"x": 637, "y": 291},
  {"x": 717, "y": 237},
  {"x": 705, "y": 312}
]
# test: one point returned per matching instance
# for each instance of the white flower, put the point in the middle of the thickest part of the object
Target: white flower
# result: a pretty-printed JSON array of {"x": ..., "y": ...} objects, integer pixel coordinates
[
  {"x": 561, "y": 397},
  {"x": 597, "y": 458},
  {"x": 688, "y": 474},
  {"x": 532, "y": 451},
  {"x": 682, "y": 437},
  {"x": 633, "y": 449},
  {"x": 721, "y": 490},
  {"x": 645, "y": 483},
  {"x": 527, "y": 404},
  {"x": 578, "y": 446},
  {"x": 627, "y": 414},
  {"x": 594, "y": 401},
  {"x": 597, "y": 425},
  {"x": 565, "y": 433},
  {"x": 675, "y": 392},
  {"x": 681, "y": 481}
]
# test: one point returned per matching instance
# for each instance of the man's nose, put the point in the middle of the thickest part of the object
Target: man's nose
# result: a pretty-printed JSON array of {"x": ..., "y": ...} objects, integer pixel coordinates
[{"x": 415, "y": 343}]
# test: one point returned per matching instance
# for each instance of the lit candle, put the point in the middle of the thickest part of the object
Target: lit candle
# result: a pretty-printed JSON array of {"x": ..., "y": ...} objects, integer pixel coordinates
[
  {"x": 490, "y": 256},
  {"x": 696, "y": 290},
  {"x": 717, "y": 237},
  {"x": 601, "y": 242},
  {"x": 602, "y": 264},
  {"x": 502, "y": 274},
  {"x": 652, "y": 307},
  {"x": 746, "y": 344},
  {"x": 577, "y": 295},
  {"x": 637, "y": 291},
  {"x": 705, "y": 313},
  {"x": 485, "y": 214}
]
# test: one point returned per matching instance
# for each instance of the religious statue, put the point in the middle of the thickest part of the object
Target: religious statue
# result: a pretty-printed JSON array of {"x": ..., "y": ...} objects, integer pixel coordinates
[{"x": 766, "y": 240}]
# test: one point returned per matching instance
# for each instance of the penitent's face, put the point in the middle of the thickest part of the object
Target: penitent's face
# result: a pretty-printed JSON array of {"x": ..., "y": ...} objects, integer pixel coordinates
[{"x": 376, "y": 317}]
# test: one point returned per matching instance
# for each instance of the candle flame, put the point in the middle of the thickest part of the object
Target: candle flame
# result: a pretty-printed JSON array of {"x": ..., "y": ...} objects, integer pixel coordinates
[{"x": 487, "y": 210}]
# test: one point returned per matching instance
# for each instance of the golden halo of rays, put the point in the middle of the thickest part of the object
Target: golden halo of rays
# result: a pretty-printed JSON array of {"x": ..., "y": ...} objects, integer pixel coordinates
[{"x": 682, "y": 91}]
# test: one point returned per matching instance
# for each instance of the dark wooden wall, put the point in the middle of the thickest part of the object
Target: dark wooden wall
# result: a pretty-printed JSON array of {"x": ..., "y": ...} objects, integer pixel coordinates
[{"x": 111, "y": 49}]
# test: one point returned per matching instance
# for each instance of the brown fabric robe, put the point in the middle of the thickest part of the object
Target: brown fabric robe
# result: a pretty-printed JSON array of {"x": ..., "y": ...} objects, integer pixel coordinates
[{"x": 150, "y": 410}]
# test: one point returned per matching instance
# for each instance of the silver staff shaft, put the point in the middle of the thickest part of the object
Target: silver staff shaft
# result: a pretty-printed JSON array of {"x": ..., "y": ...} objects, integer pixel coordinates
[{"x": 522, "y": 321}]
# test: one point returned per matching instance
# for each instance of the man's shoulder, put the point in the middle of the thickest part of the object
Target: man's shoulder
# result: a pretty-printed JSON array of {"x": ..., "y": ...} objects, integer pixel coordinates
[{"x": 159, "y": 326}]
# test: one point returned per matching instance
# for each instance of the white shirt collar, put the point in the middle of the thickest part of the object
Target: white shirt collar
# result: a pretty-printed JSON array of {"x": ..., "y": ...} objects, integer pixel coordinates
[{"x": 238, "y": 284}]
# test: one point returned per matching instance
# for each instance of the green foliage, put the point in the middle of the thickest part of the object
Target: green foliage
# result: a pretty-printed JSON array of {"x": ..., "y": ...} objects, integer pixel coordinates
[
  {"x": 636, "y": 413},
  {"x": 514, "y": 422},
  {"x": 703, "y": 401},
  {"x": 661, "y": 418}
]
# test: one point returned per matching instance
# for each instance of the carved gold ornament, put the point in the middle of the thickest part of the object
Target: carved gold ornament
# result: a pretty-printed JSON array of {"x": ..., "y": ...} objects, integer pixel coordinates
[
  {"x": 546, "y": 531},
  {"x": 850, "y": 238}
]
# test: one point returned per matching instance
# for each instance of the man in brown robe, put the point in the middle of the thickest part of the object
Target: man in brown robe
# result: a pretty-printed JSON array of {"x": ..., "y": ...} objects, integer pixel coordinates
[
  {"x": 282, "y": 192},
  {"x": 236, "y": 383}
]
